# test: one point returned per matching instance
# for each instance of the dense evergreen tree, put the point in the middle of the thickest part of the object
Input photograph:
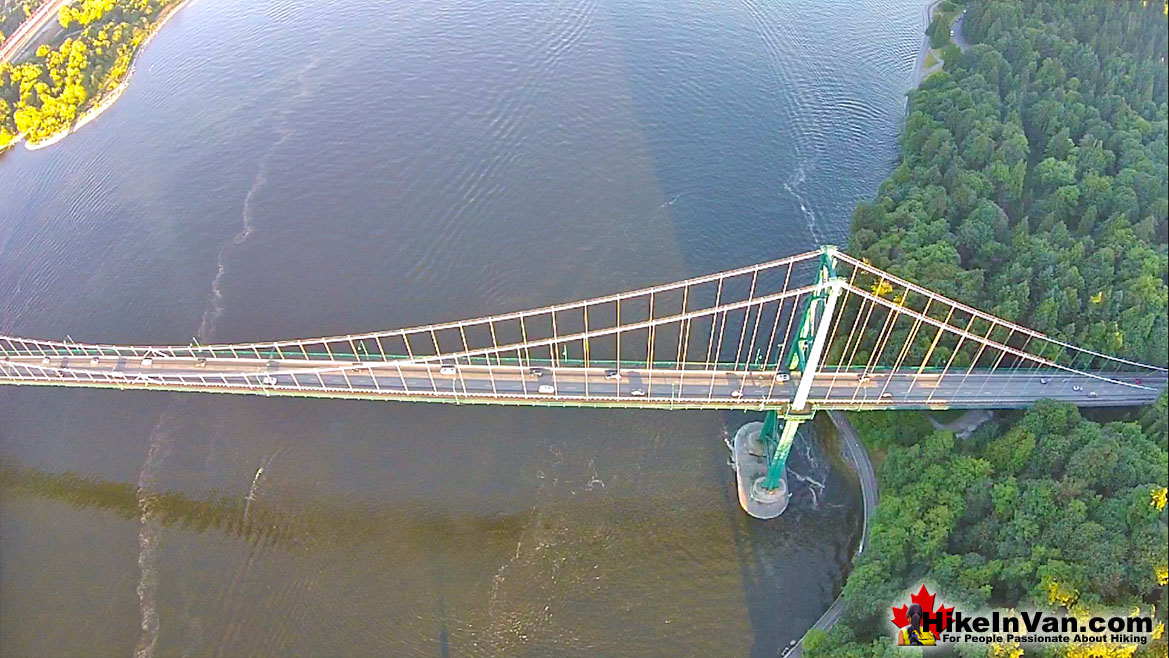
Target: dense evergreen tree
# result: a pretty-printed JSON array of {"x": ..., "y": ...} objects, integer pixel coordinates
[
  {"x": 1033, "y": 182},
  {"x": 1055, "y": 511},
  {"x": 1033, "y": 175}
]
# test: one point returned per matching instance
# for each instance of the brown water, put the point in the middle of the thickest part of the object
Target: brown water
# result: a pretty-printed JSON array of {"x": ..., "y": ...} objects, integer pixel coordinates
[{"x": 308, "y": 168}]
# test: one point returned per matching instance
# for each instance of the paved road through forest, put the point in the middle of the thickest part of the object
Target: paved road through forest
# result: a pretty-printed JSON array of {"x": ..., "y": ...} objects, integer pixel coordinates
[{"x": 30, "y": 28}]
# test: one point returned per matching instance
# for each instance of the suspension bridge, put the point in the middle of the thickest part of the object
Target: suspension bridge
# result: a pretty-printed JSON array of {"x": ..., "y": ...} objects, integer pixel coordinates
[{"x": 818, "y": 330}]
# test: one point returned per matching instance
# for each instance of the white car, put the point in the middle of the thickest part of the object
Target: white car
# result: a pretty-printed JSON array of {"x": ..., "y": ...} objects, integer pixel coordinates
[
  {"x": 147, "y": 362},
  {"x": 94, "y": 361},
  {"x": 546, "y": 389},
  {"x": 736, "y": 394},
  {"x": 612, "y": 374},
  {"x": 268, "y": 380},
  {"x": 637, "y": 392},
  {"x": 782, "y": 377},
  {"x": 448, "y": 370}
]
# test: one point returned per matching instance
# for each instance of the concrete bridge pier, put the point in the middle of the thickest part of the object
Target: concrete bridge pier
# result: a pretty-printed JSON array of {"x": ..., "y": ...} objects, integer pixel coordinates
[
  {"x": 751, "y": 462},
  {"x": 760, "y": 456},
  {"x": 761, "y": 464}
]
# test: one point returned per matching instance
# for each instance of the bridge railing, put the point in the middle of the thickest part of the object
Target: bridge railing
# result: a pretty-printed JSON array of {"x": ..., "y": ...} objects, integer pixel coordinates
[
  {"x": 887, "y": 324},
  {"x": 687, "y": 322},
  {"x": 741, "y": 322}
]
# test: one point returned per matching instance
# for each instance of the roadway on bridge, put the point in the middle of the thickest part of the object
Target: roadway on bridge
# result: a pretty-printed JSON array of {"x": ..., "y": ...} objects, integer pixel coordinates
[{"x": 588, "y": 386}]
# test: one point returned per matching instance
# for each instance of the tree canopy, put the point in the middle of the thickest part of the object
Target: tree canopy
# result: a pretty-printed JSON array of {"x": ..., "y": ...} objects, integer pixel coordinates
[
  {"x": 43, "y": 95},
  {"x": 1033, "y": 182},
  {"x": 1051, "y": 511},
  {"x": 13, "y": 13},
  {"x": 1032, "y": 179}
]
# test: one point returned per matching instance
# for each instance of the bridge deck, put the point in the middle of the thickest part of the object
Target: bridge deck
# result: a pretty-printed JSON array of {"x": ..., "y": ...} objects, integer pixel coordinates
[
  {"x": 579, "y": 386},
  {"x": 866, "y": 338}
]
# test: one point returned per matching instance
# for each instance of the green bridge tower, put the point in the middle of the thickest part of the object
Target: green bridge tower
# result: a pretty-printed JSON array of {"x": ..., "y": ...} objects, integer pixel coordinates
[{"x": 767, "y": 495}]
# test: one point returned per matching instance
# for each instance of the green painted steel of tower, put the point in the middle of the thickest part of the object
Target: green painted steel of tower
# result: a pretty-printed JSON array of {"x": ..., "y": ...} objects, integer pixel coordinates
[
  {"x": 776, "y": 452},
  {"x": 779, "y": 444},
  {"x": 797, "y": 356}
]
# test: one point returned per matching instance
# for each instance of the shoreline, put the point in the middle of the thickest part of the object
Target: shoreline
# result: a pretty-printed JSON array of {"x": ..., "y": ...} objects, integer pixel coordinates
[
  {"x": 107, "y": 99},
  {"x": 853, "y": 452},
  {"x": 850, "y": 442},
  {"x": 103, "y": 103},
  {"x": 919, "y": 70}
]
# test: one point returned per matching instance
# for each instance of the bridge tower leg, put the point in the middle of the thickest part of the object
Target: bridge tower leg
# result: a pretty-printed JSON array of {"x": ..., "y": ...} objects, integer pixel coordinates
[{"x": 768, "y": 495}]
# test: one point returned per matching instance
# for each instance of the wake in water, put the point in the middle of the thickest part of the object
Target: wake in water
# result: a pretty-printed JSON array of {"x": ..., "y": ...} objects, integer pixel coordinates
[
  {"x": 251, "y": 497},
  {"x": 810, "y": 219},
  {"x": 162, "y": 436},
  {"x": 530, "y": 587},
  {"x": 596, "y": 479},
  {"x": 805, "y": 467},
  {"x": 161, "y": 442},
  {"x": 815, "y": 487},
  {"x": 658, "y": 211},
  {"x": 772, "y": 35}
]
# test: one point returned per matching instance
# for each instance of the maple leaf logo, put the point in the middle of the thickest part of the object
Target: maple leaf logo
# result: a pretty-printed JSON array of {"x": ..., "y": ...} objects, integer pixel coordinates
[
  {"x": 900, "y": 616},
  {"x": 926, "y": 600},
  {"x": 944, "y": 616}
]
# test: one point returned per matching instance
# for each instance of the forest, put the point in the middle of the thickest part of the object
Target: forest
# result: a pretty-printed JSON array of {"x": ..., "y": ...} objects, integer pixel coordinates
[
  {"x": 1033, "y": 182},
  {"x": 1048, "y": 510},
  {"x": 43, "y": 95},
  {"x": 13, "y": 13}
]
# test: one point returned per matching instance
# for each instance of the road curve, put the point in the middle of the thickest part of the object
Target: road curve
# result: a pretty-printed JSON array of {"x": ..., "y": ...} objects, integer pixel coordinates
[
  {"x": 956, "y": 34},
  {"x": 30, "y": 28},
  {"x": 859, "y": 457}
]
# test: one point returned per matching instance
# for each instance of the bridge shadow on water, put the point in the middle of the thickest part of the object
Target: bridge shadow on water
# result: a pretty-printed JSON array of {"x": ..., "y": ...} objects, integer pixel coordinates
[
  {"x": 271, "y": 526},
  {"x": 330, "y": 526},
  {"x": 783, "y": 593},
  {"x": 821, "y": 487}
]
